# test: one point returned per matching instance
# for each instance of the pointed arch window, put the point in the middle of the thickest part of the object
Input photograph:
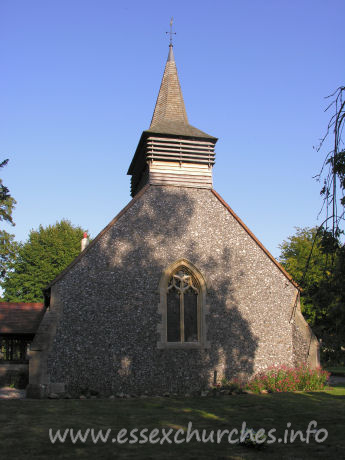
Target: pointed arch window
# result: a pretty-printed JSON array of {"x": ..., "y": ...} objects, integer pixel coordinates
[
  {"x": 183, "y": 316},
  {"x": 182, "y": 306}
]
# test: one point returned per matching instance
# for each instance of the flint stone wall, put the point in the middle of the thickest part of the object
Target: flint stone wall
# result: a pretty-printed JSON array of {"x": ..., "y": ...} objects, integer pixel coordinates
[{"x": 108, "y": 302}]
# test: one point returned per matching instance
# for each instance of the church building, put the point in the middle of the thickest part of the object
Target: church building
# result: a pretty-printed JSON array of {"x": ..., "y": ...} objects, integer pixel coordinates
[{"x": 176, "y": 292}]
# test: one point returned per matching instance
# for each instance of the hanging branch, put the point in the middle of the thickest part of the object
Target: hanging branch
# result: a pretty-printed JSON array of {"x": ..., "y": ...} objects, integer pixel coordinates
[{"x": 333, "y": 169}]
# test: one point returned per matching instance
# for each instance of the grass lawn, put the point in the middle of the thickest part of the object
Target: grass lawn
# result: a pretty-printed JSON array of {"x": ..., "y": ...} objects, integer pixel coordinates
[{"x": 25, "y": 423}]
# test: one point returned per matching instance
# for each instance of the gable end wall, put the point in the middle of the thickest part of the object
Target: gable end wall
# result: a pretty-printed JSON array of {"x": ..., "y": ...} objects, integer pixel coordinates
[{"x": 108, "y": 302}]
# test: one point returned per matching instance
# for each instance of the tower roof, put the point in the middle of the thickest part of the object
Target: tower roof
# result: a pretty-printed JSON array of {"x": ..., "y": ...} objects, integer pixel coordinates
[
  {"x": 169, "y": 116},
  {"x": 170, "y": 105},
  {"x": 171, "y": 151}
]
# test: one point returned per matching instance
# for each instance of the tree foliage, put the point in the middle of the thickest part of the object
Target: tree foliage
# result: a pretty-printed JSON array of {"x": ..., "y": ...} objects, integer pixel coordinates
[
  {"x": 316, "y": 257},
  {"x": 332, "y": 173},
  {"x": 303, "y": 257},
  {"x": 40, "y": 259},
  {"x": 8, "y": 252},
  {"x": 8, "y": 247},
  {"x": 329, "y": 297},
  {"x": 316, "y": 260},
  {"x": 6, "y": 201},
  {"x": 329, "y": 311},
  {"x": 295, "y": 253}
]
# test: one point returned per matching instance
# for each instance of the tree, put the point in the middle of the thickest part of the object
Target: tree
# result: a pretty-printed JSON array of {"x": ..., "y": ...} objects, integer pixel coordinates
[
  {"x": 8, "y": 252},
  {"x": 329, "y": 298},
  {"x": 333, "y": 169},
  {"x": 302, "y": 257},
  {"x": 6, "y": 201},
  {"x": 316, "y": 260},
  {"x": 8, "y": 247},
  {"x": 44, "y": 255},
  {"x": 329, "y": 305}
]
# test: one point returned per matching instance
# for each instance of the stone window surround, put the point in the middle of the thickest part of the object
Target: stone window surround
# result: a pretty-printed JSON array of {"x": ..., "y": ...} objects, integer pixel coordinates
[{"x": 202, "y": 307}]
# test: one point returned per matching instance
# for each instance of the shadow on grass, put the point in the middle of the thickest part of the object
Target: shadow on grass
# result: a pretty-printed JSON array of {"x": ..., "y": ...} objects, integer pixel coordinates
[{"x": 25, "y": 424}]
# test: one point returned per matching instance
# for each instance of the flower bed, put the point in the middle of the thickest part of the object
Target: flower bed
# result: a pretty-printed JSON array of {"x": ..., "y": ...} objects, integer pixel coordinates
[{"x": 283, "y": 379}]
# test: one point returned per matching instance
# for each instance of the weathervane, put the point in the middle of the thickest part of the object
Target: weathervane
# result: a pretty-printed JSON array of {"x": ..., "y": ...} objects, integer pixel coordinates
[{"x": 171, "y": 33}]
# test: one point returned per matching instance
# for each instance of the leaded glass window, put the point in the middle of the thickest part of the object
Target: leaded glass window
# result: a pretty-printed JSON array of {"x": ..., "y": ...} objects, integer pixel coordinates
[
  {"x": 13, "y": 349},
  {"x": 182, "y": 307}
]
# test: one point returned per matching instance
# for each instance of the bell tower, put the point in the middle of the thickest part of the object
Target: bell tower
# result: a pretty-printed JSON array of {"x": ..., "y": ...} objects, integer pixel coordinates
[{"x": 171, "y": 151}]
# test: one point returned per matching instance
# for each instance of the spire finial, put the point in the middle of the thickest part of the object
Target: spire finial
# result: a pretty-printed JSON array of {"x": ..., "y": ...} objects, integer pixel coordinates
[{"x": 171, "y": 33}]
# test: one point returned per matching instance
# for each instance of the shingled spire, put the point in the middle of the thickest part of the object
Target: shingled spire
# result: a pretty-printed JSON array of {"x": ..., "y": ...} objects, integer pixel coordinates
[
  {"x": 170, "y": 105},
  {"x": 170, "y": 116},
  {"x": 171, "y": 151}
]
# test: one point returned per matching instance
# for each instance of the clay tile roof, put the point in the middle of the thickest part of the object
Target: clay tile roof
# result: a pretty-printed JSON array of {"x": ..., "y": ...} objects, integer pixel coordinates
[
  {"x": 20, "y": 318},
  {"x": 170, "y": 116}
]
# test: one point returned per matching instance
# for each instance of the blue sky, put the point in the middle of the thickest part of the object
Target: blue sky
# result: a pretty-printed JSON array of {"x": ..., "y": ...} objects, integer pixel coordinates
[{"x": 79, "y": 82}]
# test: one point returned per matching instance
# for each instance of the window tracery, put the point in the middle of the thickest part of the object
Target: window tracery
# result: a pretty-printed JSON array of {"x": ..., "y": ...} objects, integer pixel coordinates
[{"x": 182, "y": 307}]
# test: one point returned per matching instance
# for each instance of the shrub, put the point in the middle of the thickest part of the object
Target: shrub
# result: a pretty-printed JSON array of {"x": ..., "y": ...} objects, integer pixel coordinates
[
  {"x": 231, "y": 385},
  {"x": 283, "y": 379}
]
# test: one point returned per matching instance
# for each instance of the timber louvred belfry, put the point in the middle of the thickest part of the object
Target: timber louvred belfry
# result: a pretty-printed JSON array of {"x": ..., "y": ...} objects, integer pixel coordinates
[
  {"x": 171, "y": 151},
  {"x": 176, "y": 289}
]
